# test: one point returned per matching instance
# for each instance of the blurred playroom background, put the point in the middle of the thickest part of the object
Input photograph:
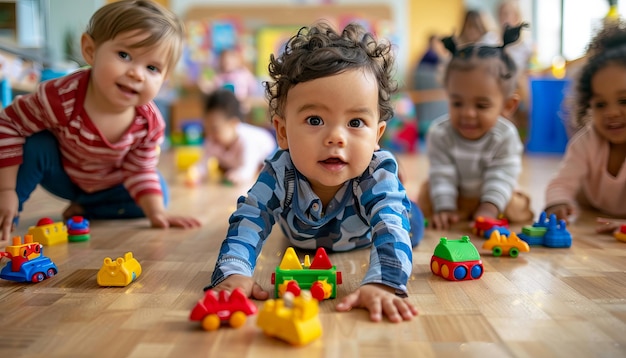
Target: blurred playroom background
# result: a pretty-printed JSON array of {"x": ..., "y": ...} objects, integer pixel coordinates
[{"x": 229, "y": 43}]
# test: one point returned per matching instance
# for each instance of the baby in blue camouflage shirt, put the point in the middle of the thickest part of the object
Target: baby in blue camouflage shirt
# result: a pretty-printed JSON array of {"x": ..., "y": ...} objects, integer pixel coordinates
[{"x": 330, "y": 185}]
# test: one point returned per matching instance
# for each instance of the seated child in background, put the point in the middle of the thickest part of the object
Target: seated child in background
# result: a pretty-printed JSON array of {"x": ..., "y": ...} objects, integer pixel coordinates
[
  {"x": 240, "y": 148},
  {"x": 474, "y": 152},
  {"x": 91, "y": 137},
  {"x": 592, "y": 171},
  {"x": 330, "y": 186}
]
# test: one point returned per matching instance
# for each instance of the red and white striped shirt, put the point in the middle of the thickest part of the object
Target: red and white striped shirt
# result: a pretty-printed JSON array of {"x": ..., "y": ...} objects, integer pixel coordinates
[{"x": 89, "y": 159}]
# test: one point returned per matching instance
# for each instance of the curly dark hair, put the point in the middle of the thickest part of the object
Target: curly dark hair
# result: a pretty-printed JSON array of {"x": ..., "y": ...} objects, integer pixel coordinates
[
  {"x": 494, "y": 58},
  {"x": 319, "y": 51},
  {"x": 607, "y": 47}
]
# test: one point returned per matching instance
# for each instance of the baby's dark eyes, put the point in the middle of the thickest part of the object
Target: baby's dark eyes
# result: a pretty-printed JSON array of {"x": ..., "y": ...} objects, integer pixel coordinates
[
  {"x": 314, "y": 121},
  {"x": 356, "y": 123},
  {"x": 123, "y": 55}
]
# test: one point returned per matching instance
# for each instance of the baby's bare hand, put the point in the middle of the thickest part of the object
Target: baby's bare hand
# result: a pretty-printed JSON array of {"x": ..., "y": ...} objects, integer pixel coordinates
[
  {"x": 247, "y": 284},
  {"x": 379, "y": 300},
  {"x": 562, "y": 211},
  {"x": 443, "y": 219}
]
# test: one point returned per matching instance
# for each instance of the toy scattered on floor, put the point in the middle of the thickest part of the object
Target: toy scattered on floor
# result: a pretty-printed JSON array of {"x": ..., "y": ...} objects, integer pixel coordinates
[
  {"x": 187, "y": 156},
  {"x": 500, "y": 244},
  {"x": 27, "y": 261},
  {"x": 485, "y": 226},
  {"x": 48, "y": 232},
  {"x": 620, "y": 234},
  {"x": 548, "y": 232},
  {"x": 456, "y": 260},
  {"x": 120, "y": 272},
  {"x": 292, "y": 319},
  {"x": 320, "y": 277},
  {"x": 223, "y": 308},
  {"x": 77, "y": 229}
]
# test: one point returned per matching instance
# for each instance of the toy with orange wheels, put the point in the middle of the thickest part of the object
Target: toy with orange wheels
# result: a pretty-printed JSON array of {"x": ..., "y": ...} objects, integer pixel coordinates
[
  {"x": 319, "y": 276},
  {"x": 215, "y": 310},
  {"x": 456, "y": 260}
]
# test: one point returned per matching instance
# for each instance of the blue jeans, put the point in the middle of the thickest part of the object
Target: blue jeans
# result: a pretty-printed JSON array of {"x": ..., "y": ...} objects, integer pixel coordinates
[{"x": 42, "y": 165}]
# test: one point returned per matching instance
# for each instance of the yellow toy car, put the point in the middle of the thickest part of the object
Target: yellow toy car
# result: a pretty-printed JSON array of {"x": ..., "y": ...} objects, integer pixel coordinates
[{"x": 502, "y": 245}]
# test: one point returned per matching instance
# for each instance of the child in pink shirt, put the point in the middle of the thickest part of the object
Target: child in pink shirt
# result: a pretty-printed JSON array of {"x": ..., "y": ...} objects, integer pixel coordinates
[{"x": 591, "y": 173}]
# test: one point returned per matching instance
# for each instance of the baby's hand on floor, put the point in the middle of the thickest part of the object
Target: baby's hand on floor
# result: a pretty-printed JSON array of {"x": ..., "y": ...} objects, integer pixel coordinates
[
  {"x": 247, "y": 284},
  {"x": 443, "y": 219},
  {"x": 379, "y": 300},
  {"x": 8, "y": 211},
  {"x": 562, "y": 211},
  {"x": 608, "y": 226},
  {"x": 486, "y": 210},
  {"x": 164, "y": 220}
]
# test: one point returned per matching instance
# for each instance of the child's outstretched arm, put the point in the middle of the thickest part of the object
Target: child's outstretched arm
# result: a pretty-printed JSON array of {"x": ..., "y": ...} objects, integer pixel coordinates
[
  {"x": 8, "y": 200},
  {"x": 379, "y": 300},
  {"x": 387, "y": 206},
  {"x": 152, "y": 206}
]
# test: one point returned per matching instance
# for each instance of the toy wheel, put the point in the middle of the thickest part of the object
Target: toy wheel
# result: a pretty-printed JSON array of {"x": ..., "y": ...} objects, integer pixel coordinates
[
  {"x": 293, "y": 287},
  {"x": 514, "y": 252},
  {"x": 317, "y": 291},
  {"x": 445, "y": 271},
  {"x": 477, "y": 271},
  {"x": 237, "y": 319},
  {"x": 50, "y": 272},
  {"x": 434, "y": 267},
  {"x": 497, "y": 251},
  {"x": 38, "y": 277},
  {"x": 460, "y": 272},
  {"x": 211, "y": 322}
]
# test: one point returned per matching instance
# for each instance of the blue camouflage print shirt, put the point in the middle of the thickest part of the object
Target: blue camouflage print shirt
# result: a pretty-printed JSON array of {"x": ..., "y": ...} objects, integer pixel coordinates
[{"x": 372, "y": 208}]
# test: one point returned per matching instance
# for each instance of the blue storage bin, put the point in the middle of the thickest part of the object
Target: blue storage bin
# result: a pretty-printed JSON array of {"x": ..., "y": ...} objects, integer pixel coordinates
[{"x": 546, "y": 132}]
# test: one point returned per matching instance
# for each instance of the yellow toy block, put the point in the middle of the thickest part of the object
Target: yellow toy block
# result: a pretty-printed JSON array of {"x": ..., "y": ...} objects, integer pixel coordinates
[
  {"x": 48, "y": 232},
  {"x": 120, "y": 272},
  {"x": 187, "y": 156},
  {"x": 292, "y": 319}
]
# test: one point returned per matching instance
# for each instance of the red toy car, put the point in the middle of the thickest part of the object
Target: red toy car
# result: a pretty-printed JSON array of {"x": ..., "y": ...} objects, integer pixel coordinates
[{"x": 232, "y": 309}]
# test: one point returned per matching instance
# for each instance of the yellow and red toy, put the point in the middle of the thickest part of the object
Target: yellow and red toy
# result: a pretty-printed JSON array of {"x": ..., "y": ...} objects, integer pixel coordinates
[
  {"x": 320, "y": 276},
  {"x": 120, "y": 272},
  {"x": 27, "y": 261},
  {"x": 502, "y": 245},
  {"x": 292, "y": 319},
  {"x": 217, "y": 309},
  {"x": 48, "y": 232}
]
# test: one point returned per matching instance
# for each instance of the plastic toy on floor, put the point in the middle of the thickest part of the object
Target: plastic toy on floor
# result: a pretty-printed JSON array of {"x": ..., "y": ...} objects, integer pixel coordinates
[
  {"x": 77, "y": 229},
  {"x": 485, "y": 226},
  {"x": 120, "y": 272},
  {"x": 549, "y": 232},
  {"x": 500, "y": 244},
  {"x": 456, "y": 260},
  {"x": 292, "y": 319},
  {"x": 48, "y": 232},
  {"x": 320, "y": 276},
  {"x": 215, "y": 310},
  {"x": 28, "y": 264}
]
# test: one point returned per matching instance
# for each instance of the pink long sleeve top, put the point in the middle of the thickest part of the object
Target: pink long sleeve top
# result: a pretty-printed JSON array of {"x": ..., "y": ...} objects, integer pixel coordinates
[{"x": 584, "y": 169}]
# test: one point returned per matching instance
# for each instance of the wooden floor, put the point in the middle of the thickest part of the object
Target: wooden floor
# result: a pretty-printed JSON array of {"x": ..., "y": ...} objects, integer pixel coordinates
[{"x": 546, "y": 303}]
